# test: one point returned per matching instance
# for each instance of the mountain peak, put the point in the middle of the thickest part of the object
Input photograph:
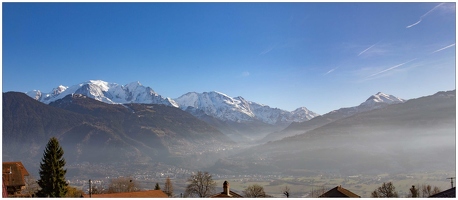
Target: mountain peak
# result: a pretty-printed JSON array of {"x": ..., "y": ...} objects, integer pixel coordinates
[
  {"x": 111, "y": 93},
  {"x": 237, "y": 109},
  {"x": 303, "y": 114},
  {"x": 133, "y": 85},
  {"x": 381, "y": 97},
  {"x": 97, "y": 82},
  {"x": 58, "y": 90},
  {"x": 217, "y": 93}
]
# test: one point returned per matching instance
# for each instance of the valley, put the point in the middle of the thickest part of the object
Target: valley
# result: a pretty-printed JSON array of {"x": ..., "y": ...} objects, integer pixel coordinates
[{"x": 382, "y": 139}]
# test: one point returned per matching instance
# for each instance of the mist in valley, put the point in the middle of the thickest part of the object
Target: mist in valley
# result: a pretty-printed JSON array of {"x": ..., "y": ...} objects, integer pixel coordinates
[{"x": 398, "y": 142}]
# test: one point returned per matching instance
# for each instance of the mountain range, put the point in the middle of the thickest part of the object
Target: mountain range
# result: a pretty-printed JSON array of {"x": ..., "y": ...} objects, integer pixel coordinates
[
  {"x": 106, "y": 92},
  {"x": 238, "y": 118},
  {"x": 102, "y": 122},
  {"x": 214, "y": 104}
]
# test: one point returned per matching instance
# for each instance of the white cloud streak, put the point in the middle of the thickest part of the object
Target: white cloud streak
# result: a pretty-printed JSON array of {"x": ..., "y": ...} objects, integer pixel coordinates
[
  {"x": 421, "y": 18},
  {"x": 414, "y": 24},
  {"x": 444, "y": 48},
  {"x": 391, "y": 68},
  {"x": 330, "y": 71},
  {"x": 367, "y": 49}
]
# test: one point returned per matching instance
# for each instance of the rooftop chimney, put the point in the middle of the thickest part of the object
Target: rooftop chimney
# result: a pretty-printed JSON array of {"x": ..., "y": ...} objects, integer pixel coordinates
[{"x": 226, "y": 188}]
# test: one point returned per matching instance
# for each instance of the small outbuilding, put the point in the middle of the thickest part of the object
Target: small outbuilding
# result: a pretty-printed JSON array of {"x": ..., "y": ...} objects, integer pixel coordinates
[{"x": 13, "y": 177}]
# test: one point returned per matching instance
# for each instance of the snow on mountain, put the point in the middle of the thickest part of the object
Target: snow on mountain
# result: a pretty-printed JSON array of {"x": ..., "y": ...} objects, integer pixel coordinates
[
  {"x": 215, "y": 104},
  {"x": 303, "y": 114},
  {"x": 275, "y": 115},
  {"x": 380, "y": 99},
  {"x": 376, "y": 101},
  {"x": 223, "y": 107},
  {"x": 106, "y": 92}
]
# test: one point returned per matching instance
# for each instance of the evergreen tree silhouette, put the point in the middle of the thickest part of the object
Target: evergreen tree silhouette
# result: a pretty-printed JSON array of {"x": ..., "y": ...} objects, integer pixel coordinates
[{"x": 52, "y": 172}]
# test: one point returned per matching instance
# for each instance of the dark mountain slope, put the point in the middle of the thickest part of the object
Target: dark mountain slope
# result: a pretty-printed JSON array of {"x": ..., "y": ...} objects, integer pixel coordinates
[
  {"x": 131, "y": 118},
  {"x": 97, "y": 132},
  {"x": 27, "y": 120},
  {"x": 413, "y": 136}
]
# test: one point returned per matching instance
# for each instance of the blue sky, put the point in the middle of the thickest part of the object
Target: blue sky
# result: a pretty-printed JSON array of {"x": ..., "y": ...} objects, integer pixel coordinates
[{"x": 323, "y": 56}]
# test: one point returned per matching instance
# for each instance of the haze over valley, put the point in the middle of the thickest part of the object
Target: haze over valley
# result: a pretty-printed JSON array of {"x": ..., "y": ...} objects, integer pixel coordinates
[{"x": 226, "y": 136}]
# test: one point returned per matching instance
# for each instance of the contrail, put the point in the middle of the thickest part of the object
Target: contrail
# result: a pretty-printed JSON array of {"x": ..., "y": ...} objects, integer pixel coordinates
[
  {"x": 414, "y": 24},
  {"x": 367, "y": 48},
  {"x": 331, "y": 70},
  {"x": 444, "y": 48},
  {"x": 394, "y": 67},
  {"x": 421, "y": 18}
]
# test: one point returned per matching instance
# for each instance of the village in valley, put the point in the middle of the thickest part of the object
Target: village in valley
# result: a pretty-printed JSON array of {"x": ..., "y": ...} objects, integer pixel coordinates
[{"x": 272, "y": 185}]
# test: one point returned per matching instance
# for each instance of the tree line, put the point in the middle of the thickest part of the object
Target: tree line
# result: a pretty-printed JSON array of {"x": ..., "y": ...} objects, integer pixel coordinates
[{"x": 388, "y": 190}]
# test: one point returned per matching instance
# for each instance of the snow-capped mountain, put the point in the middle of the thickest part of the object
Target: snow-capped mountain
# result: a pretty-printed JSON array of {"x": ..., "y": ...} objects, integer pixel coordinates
[
  {"x": 106, "y": 92},
  {"x": 226, "y": 108},
  {"x": 214, "y": 104},
  {"x": 376, "y": 101},
  {"x": 217, "y": 105},
  {"x": 379, "y": 99},
  {"x": 303, "y": 114}
]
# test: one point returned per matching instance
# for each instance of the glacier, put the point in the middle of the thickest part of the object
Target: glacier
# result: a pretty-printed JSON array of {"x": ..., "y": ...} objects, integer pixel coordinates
[
  {"x": 111, "y": 93},
  {"x": 215, "y": 104}
]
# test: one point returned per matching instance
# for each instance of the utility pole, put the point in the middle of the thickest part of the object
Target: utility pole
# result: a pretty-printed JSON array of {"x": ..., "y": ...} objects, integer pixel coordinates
[
  {"x": 90, "y": 188},
  {"x": 451, "y": 180}
]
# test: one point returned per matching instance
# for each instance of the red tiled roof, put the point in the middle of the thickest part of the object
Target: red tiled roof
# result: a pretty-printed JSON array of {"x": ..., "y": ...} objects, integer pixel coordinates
[
  {"x": 139, "y": 194},
  {"x": 339, "y": 192},
  {"x": 13, "y": 173}
]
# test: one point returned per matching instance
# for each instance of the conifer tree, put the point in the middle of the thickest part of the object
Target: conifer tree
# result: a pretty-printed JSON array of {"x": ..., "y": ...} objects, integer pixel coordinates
[
  {"x": 157, "y": 187},
  {"x": 52, "y": 172}
]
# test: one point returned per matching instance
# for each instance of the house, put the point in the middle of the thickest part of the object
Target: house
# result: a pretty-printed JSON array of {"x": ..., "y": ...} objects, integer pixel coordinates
[
  {"x": 4, "y": 191},
  {"x": 138, "y": 194},
  {"x": 227, "y": 193},
  {"x": 13, "y": 177},
  {"x": 451, "y": 193},
  {"x": 339, "y": 192}
]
